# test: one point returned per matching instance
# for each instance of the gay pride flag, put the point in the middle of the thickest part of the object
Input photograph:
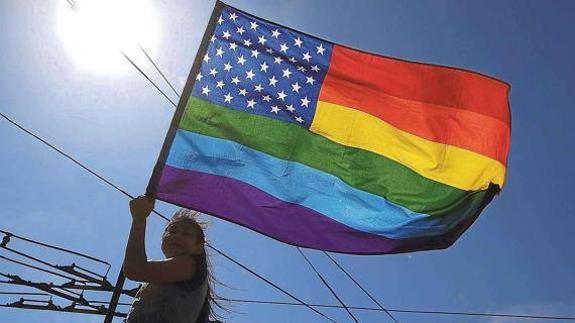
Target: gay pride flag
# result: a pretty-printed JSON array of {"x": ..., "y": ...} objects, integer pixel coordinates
[{"x": 323, "y": 146}]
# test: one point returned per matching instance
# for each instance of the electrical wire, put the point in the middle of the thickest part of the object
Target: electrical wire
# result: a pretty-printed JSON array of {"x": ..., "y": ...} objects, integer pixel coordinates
[
  {"x": 327, "y": 285},
  {"x": 158, "y": 69},
  {"x": 359, "y": 285},
  {"x": 269, "y": 282},
  {"x": 52, "y": 246},
  {"x": 546, "y": 317}
]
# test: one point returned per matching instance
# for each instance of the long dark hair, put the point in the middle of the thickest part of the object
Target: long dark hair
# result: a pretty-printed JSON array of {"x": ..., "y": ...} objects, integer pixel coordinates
[{"x": 212, "y": 301}]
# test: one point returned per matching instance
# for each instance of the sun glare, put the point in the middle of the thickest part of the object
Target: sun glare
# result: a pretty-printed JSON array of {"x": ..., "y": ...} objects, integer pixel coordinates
[{"x": 95, "y": 30}]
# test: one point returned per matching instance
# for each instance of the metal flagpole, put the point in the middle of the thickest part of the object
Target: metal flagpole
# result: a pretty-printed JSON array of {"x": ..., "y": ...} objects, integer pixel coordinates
[{"x": 115, "y": 297}]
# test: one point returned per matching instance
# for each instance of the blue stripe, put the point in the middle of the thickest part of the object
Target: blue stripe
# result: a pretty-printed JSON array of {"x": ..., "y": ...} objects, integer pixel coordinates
[{"x": 297, "y": 183}]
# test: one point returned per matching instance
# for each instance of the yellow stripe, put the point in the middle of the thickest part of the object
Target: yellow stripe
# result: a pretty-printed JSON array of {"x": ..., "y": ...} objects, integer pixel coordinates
[{"x": 443, "y": 163}]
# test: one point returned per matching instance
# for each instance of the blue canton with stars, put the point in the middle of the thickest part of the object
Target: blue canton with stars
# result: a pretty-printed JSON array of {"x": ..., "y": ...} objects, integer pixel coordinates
[{"x": 258, "y": 67}]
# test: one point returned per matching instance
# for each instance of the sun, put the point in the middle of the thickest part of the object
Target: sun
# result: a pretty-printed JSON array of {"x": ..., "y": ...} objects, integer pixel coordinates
[{"x": 95, "y": 30}]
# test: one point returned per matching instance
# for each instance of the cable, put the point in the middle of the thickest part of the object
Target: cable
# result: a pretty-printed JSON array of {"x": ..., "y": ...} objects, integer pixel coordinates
[
  {"x": 65, "y": 155},
  {"x": 52, "y": 246},
  {"x": 269, "y": 282},
  {"x": 74, "y": 161},
  {"x": 24, "y": 294},
  {"x": 148, "y": 78},
  {"x": 360, "y": 287},
  {"x": 327, "y": 285},
  {"x": 36, "y": 268},
  {"x": 570, "y": 318},
  {"x": 158, "y": 69}
]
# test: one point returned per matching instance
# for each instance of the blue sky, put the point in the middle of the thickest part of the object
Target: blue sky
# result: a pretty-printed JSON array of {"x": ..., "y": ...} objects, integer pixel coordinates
[{"x": 517, "y": 258}]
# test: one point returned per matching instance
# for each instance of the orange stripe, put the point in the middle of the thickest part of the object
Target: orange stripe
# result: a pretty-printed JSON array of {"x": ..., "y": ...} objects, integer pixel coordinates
[{"x": 436, "y": 103}]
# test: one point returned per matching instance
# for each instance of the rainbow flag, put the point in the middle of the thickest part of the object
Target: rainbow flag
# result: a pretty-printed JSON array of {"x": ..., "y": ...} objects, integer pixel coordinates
[{"x": 322, "y": 146}]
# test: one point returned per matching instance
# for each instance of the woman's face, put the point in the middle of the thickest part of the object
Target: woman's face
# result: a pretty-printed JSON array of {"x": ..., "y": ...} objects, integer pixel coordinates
[{"x": 181, "y": 238}]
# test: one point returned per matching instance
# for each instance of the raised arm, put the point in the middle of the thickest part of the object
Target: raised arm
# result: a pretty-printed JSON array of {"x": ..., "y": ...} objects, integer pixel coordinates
[{"x": 136, "y": 264}]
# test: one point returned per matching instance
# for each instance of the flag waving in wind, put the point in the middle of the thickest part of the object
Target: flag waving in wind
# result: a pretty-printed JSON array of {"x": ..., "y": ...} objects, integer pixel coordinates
[{"x": 322, "y": 146}]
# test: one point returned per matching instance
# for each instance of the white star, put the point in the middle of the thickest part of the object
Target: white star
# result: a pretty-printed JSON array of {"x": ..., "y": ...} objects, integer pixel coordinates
[
  {"x": 220, "y": 84},
  {"x": 298, "y": 42},
  {"x": 278, "y": 60},
  {"x": 284, "y": 48},
  {"x": 226, "y": 35},
  {"x": 254, "y": 25},
  {"x": 250, "y": 75},
  {"x": 220, "y": 20},
  {"x": 306, "y": 56},
  {"x": 264, "y": 67},
  {"x": 273, "y": 81},
  {"x": 301, "y": 68},
  {"x": 213, "y": 72},
  {"x": 266, "y": 98},
  {"x": 258, "y": 88},
  {"x": 233, "y": 16},
  {"x": 241, "y": 60},
  {"x": 315, "y": 68},
  {"x": 227, "y": 67},
  {"x": 220, "y": 52},
  {"x": 228, "y": 98},
  {"x": 207, "y": 58},
  {"x": 236, "y": 80},
  {"x": 205, "y": 90},
  {"x": 292, "y": 59},
  {"x": 320, "y": 49},
  {"x": 262, "y": 40},
  {"x": 247, "y": 43},
  {"x": 213, "y": 39},
  {"x": 269, "y": 50},
  {"x": 199, "y": 76},
  {"x": 305, "y": 102},
  {"x": 299, "y": 119},
  {"x": 243, "y": 92},
  {"x": 282, "y": 95},
  {"x": 309, "y": 80},
  {"x": 240, "y": 30},
  {"x": 251, "y": 103},
  {"x": 276, "y": 33},
  {"x": 255, "y": 53},
  {"x": 275, "y": 109},
  {"x": 286, "y": 73},
  {"x": 290, "y": 108},
  {"x": 233, "y": 46},
  {"x": 295, "y": 87}
]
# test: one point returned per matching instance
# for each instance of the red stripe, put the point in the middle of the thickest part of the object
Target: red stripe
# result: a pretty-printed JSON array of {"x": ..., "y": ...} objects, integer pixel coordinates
[{"x": 441, "y": 104}]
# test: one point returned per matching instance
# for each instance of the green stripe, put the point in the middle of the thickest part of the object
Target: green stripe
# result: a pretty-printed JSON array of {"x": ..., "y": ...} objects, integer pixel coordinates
[{"x": 358, "y": 168}]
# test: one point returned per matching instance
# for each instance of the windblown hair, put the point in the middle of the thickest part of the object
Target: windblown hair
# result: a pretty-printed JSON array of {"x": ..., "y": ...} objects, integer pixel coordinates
[{"x": 212, "y": 301}]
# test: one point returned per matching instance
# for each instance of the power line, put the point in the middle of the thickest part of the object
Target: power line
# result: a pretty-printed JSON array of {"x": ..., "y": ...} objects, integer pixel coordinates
[
  {"x": 359, "y": 285},
  {"x": 569, "y": 318},
  {"x": 327, "y": 285},
  {"x": 158, "y": 70},
  {"x": 269, "y": 282},
  {"x": 37, "y": 268},
  {"x": 10, "y": 234},
  {"x": 147, "y": 77}
]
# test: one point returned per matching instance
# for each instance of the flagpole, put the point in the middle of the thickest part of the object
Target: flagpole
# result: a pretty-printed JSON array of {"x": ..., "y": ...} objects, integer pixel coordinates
[{"x": 115, "y": 297}]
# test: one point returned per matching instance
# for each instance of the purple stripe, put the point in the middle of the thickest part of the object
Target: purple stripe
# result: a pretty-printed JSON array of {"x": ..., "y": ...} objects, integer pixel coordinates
[{"x": 238, "y": 202}]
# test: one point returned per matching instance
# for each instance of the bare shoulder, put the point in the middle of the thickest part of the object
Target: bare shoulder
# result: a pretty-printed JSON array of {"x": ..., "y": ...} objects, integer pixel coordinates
[{"x": 169, "y": 270}]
